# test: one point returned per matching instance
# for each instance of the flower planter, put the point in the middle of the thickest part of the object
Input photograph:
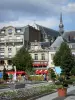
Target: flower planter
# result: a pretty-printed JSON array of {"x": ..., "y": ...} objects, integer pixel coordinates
[{"x": 62, "y": 92}]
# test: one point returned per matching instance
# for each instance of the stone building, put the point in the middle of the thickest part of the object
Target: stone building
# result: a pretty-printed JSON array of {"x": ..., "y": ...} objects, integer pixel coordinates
[{"x": 11, "y": 40}]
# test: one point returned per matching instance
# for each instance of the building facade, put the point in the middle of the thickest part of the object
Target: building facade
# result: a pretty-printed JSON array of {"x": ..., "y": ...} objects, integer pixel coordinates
[
  {"x": 42, "y": 57},
  {"x": 11, "y": 40}
]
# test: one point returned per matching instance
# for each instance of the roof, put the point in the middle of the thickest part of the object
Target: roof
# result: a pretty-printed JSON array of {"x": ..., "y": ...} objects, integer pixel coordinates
[
  {"x": 57, "y": 42},
  {"x": 45, "y": 45},
  {"x": 48, "y": 31},
  {"x": 69, "y": 36},
  {"x": 16, "y": 28}
]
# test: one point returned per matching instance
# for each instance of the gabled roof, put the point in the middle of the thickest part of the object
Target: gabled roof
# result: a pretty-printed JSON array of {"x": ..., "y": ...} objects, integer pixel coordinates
[{"x": 57, "y": 42}]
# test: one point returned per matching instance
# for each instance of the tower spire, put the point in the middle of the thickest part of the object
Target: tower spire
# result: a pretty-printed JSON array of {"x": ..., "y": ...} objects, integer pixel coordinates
[
  {"x": 61, "y": 26},
  {"x": 60, "y": 17}
]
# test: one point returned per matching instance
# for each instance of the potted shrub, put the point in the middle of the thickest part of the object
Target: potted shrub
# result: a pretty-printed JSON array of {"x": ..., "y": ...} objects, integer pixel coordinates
[
  {"x": 62, "y": 86},
  {"x": 64, "y": 58}
]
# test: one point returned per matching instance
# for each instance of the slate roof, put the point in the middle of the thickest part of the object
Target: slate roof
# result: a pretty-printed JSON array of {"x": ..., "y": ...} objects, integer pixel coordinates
[
  {"x": 48, "y": 31},
  {"x": 69, "y": 36},
  {"x": 45, "y": 44},
  {"x": 57, "y": 42}
]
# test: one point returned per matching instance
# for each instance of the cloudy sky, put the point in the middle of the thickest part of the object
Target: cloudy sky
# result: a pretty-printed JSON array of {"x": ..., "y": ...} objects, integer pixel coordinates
[{"x": 43, "y": 12}]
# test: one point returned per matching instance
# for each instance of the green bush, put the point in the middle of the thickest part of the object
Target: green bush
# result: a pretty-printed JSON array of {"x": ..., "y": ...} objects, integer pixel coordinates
[{"x": 36, "y": 78}]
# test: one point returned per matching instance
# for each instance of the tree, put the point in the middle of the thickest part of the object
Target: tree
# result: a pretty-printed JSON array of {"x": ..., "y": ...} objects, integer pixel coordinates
[
  {"x": 22, "y": 60},
  {"x": 64, "y": 58},
  {"x": 52, "y": 74},
  {"x": 73, "y": 71},
  {"x": 5, "y": 75}
]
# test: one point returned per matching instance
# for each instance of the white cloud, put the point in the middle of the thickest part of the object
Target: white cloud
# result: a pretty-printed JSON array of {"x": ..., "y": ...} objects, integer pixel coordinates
[
  {"x": 49, "y": 22},
  {"x": 69, "y": 8}
]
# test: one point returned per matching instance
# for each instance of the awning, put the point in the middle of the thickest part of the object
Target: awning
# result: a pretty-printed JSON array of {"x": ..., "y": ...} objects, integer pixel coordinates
[
  {"x": 17, "y": 72},
  {"x": 41, "y": 71},
  {"x": 40, "y": 65}
]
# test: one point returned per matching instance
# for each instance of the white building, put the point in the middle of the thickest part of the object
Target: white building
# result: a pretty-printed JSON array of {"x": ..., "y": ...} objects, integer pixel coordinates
[
  {"x": 41, "y": 55},
  {"x": 11, "y": 40}
]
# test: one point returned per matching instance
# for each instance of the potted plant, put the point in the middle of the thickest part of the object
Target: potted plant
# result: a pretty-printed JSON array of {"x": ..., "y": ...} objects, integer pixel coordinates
[
  {"x": 62, "y": 86},
  {"x": 64, "y": 58}
]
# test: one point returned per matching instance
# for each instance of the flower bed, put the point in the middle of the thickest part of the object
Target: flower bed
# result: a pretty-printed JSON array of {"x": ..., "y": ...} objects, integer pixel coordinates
[{"x": 19, "y": 94}]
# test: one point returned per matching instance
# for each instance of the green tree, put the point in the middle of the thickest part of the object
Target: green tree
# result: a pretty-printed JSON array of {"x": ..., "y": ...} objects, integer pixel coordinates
[
  {"x": 73, "y": 71},
  {"x": 5, "y": 75},
  {"x": 64, "y": 58},
  {"x": 22, "y": 60},
  {"x": 52, "y": 74}
]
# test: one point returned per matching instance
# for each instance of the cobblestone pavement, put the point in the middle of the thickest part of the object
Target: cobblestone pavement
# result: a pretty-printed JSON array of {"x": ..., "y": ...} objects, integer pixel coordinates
[{"x": 53, "y": 96}]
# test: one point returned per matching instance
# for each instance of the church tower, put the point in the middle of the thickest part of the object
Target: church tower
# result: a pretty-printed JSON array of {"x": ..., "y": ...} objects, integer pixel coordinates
[{"x": 61, "y": 26}]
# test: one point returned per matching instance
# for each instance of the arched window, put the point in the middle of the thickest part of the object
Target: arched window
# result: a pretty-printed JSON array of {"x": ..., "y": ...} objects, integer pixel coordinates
[{"x": 10, "y": 31}]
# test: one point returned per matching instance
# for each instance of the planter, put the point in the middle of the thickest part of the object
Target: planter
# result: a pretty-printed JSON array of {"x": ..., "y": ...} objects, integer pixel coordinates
[
  {"x": 17, "y": 85},
  {"x": 62, "y": 92}
]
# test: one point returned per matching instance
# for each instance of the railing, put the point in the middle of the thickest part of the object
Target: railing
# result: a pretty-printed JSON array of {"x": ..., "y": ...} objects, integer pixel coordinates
[
  {"x": 39, "y": 60},
  {"x": 11, "y": 40}
]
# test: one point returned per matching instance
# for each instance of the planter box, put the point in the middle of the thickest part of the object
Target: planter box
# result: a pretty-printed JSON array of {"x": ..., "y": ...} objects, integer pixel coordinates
[{"x": 17, "y": 85}]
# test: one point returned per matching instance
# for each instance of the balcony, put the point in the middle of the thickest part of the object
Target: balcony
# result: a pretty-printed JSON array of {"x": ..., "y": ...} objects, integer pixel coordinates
[
  {"x": 14, "y": 40},
  {"x": 11, "y": 40},
  {"x": 1, "y": 56},
  {"x": 2, "y": 41},
  {"x": 39, "y": 60}
]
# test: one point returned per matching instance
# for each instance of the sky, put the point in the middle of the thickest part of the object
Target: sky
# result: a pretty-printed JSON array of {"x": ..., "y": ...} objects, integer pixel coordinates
[{"x": 19, "y": 13}]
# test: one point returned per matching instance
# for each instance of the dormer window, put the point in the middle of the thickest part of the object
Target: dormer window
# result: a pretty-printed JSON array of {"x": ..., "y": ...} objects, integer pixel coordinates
[
  {"x": 10, "y": 31},
  {"x": 18, "y": 31},
  {"x": 2, "y": 32}
]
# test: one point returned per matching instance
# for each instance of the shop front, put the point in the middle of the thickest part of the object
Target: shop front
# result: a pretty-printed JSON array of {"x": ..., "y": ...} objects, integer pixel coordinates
[{"x": 40, "y": 67}]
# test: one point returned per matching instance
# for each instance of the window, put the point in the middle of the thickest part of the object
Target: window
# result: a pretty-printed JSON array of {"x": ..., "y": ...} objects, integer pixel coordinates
[
  {"x": 9, "y": 56},
  {"x": 2, "y": 31},
  {"x": 52, "y": 55},
  {"x": 9, "y": 62},
  {"x": 10, "y": 31},
  {"x": 18, "y": 37},
  {"x": 18, "y": 31},
  {"x": 2, "y": 38},
  {"x": 2, "y": 62},
  {"x": 1, "y": 56},
  {"x": 10, "y": 37},
  {"x": 36, "y": 47},
  {"x": 36, "y": 57},
  {"x": 42, "y": 56},
  {"x": 9, "y": 49},
  {"x": 18, "y": 47},
  {"x": 9, "y": 53},
  {"x": 1, "y": 49},
  {"x": 70, "y": 46}
]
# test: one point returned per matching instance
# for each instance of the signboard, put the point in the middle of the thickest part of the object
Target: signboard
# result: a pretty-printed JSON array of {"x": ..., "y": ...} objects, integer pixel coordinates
[
  {"x": 1, "y": 74},
  {"x": 57, "y": 70}
]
